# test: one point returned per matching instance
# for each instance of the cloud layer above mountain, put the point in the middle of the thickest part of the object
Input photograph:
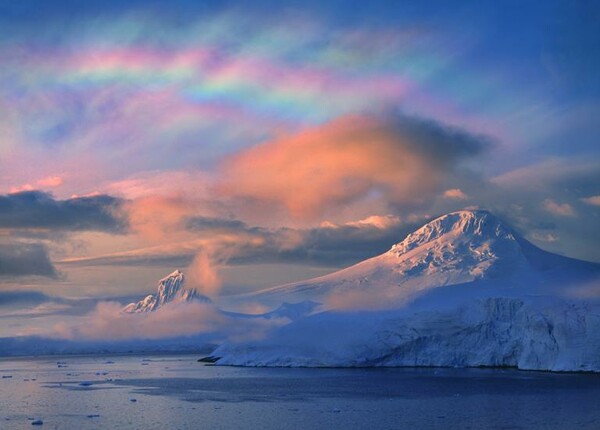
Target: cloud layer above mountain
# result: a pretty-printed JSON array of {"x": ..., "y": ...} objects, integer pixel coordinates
[
  {"x": 263, "y": 143},
  {"x": 404, "y": 159}
]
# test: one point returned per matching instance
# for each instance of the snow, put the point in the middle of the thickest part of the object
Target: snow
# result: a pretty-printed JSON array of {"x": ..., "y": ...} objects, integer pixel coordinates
[
  {"x": 486, "y": 332},
  {"x": 286, "y": 311},
  {"x": 453, "y": 249},
  {"x": 463, "y": 290},
  {"x": 170, "y": 289},
  {"x": 293, "y": 311}
]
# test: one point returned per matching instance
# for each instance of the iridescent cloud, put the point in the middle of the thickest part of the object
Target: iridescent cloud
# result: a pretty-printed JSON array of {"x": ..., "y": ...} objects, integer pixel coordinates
[
  {"x": 162, "y": 96},
  {"x": 189, "y": 111}
]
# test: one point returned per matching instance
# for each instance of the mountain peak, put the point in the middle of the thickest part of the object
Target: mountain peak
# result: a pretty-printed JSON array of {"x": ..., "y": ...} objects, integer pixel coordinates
[
  {"x": 458, "y": 248},
  {"x": 175, "y": 274},
  {"x": 170, "y": 289},
  {"x": 461, "y": 246},
  {"x": 471, "y": 225}
]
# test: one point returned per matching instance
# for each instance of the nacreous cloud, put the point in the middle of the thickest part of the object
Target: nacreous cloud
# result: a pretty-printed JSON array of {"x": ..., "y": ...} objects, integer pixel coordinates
[
  {"x": 39, "y": 210},
  {"x": 404, "y": 159}
]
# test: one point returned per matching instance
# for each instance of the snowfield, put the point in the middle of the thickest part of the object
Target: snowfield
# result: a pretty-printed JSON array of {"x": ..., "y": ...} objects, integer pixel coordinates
[
  {"x": 485, "y": 332},
  {"x": 464, "y": 290}
]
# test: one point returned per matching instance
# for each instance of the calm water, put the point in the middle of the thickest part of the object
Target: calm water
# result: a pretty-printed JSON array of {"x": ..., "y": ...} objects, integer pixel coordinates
[{"x": 176, "y": 392}]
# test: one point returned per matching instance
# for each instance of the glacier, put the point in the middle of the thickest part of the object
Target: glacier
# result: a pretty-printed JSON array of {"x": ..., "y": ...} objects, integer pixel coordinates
[
  {"x": 492, "y": 332},
  {"x": 464, "y": 290}
]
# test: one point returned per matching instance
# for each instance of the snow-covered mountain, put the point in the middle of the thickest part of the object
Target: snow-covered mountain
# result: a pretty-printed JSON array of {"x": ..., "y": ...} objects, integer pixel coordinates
[
  {"x": 463, "y": 290},
  {"x": 457, "y": 248},
  {"x": 170, "y": 289},
  {"x": 285, "y": 311}
]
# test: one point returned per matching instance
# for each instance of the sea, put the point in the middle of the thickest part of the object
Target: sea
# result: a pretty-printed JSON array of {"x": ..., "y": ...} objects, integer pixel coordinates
[{"x": 178, "y": 392}]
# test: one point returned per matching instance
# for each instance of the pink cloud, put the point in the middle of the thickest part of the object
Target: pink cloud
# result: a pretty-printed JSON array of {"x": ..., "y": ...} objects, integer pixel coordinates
[
  {"x": 24, "y": 187},
  {"x": 593, "y": 200},
  {"x": 50, "y": 182},
  {"x": 560, "y": 209},
  {"x": 343, "y": 161},
  {"x": 44, "y": 183},
  {"x": 188, "y": 183},
  {"x": 378, "y": 221},
  {"x": 108, "y": 322},
  {"x": 455, "y": 194}
]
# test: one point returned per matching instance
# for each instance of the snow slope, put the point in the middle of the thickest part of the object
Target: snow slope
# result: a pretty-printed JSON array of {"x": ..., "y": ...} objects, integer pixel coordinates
[
  {"x": 463, "y": 290},
  {"x": 288, "y": 311},
  {"x": 457, "y": 248},
  {"x": 170, "y": 289}
]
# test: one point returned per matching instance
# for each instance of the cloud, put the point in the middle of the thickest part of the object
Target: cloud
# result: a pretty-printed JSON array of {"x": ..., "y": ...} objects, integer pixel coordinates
[
  {"x": 404, "y": 159},
  {"x": 16, "y": 297},
  {"x": 544, "y": 236},
  {"x": 203, "y": 273},
  {"x": 455, "y": 194},
  {"x": 39, "y": 210},
  {"x": 49, "y": 308},
  {"x": 560, "y": 209},
  {"x": 114, "y": 88},
  {"x": 543, "y": 201},
  {"x": 108, "y": 322},
  {"x": 233, "y": 242},
  {"x": 157, "y": 218},
  {"x": 202, "y": 223},
  {"x": 25, "y": 259},
  {"x": 159, "y": 183},
  {"x": 48, "y": 182},
  {"x": 592, "y": 200},
  {"x": 553, "y": 174}
]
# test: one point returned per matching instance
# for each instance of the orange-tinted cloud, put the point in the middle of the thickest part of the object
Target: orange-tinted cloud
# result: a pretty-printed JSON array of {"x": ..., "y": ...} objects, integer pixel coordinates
[
  {"x": 204, "y": 274},
  {"x": 44, "y": 183},
  {"x": 455, "y": 194},
  {"x": 593, "y": 200},
  {"x": 560, "y": 209},
  {"x": 191, "y": 184},
  {"x": 403, "y": 159},
  {"x": 50, "y": 182},
  {"x": 156, "y": 218}
]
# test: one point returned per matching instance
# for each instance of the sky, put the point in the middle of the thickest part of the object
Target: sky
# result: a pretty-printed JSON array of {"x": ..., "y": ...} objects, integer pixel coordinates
[{"x": 257, "y": 144}]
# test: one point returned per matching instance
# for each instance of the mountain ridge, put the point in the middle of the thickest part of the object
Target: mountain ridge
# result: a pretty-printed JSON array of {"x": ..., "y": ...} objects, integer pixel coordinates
[{"x": 171, "y": 289}]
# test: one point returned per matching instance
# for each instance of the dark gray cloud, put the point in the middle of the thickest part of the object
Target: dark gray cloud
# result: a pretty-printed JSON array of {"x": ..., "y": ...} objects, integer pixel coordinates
[
  {"x": 329, "y": 245},
  {"x": 39, "y": 210},
  {"x": 16, "y": 297},
  {"x": 441, "y": 143},
  {"x": 324, "y": 246},
  {"x": 25, "y": 259},
  {"x": 201, "y": 223}
]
